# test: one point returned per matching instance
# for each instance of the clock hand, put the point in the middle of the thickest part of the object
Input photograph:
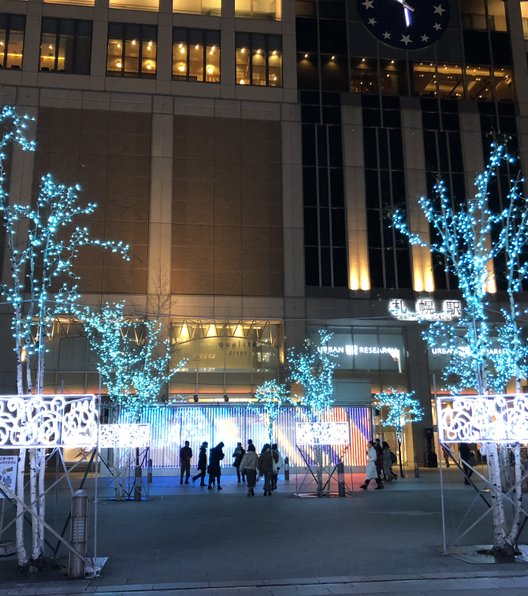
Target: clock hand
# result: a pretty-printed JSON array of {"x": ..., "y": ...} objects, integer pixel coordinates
[{"x": 407, "y": 9}]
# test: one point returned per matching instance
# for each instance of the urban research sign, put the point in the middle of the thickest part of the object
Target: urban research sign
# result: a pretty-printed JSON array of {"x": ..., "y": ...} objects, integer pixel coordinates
[
  {"x": 48, "y": 421},
  {"x": 483, "y": 418},
  {"x": 322, "y": 433},
  {"x": 425, "y": 310}
]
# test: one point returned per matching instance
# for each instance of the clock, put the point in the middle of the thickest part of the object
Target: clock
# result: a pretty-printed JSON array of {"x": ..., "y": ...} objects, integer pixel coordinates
[{"x": 405, "y": 24}]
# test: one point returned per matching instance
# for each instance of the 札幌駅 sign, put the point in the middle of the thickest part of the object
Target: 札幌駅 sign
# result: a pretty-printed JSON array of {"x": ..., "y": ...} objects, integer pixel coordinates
[{"x": 425, "y": 310}]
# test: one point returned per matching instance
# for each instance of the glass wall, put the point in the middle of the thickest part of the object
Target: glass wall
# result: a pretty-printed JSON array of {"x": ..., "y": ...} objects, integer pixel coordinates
[
  {"x": 211, "y": 7},
  {"x": 135, "y": 4},
  {"x": 258, "y": 9}
]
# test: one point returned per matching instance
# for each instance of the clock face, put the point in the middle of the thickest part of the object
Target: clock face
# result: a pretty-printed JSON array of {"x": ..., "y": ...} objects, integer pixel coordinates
[{"x": 405, "y": 24}]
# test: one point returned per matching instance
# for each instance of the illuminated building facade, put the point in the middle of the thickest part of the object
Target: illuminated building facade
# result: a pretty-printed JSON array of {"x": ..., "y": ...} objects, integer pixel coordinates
[{"x": 250, "y": 152}]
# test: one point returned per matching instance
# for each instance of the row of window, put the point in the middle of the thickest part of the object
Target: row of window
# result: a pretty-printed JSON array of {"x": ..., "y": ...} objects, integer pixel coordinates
[
  {"x": 259, "y": 9},
  {"x": 132, "y": 51}
]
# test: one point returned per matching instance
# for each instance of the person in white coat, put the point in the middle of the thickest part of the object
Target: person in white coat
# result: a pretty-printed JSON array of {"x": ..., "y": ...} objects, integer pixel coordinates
[
  {"x": 371, "y": 473},
  {"x": 248, "y": 466}
]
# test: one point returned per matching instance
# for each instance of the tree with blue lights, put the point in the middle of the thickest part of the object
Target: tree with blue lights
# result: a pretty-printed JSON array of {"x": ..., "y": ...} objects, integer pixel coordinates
[
  {"x": 471, "y": 239},
  {"x": 397, "y": 408},
  {"x": 42, "y": 242},
  {"x": 133, "y": 359},
  {"x": 313, "y": 370},
  {"x": 272, "y": 397}
]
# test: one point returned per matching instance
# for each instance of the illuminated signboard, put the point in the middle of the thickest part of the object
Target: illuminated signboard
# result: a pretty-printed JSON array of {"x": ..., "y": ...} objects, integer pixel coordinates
[
  {"x": 483, "y": 418},
  {"x": 425, "y": 310}
]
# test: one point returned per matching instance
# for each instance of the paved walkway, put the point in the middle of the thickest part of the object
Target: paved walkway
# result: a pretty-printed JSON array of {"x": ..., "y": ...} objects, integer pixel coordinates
[{"x": 188, "y": 540}]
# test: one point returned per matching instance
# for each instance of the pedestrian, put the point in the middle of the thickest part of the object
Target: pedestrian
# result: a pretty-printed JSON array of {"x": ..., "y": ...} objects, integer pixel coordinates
[
  {"x": 371, "y": 472},
  {"x": 202, "y": 463},
  {"x": 267, "y": 465},
  {"x": 238, "y": 454},
  {"x": 275, "y": 475},
  {"x": 185, "y": 462},
  {"x": 379, "y": 457},
  {"x": 216, "y": 455},
  {"x": 388, "y": 459},
  {"x": 465, "y": 455},
  {"x": 446, "y": 456},
  {"x": 248, "y": 467}
]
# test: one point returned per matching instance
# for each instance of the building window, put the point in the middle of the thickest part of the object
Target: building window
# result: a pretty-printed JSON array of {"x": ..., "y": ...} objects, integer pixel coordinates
[
  {"x": 258, "y": 9},
  {"x": 368, "y": 75},
  {"x": 11, "y": 40},
  {"x": 72, "y": 2},
  {"x": 258, "y": 60},
  {"x": 196, "y": 55},
  {"x": 481, "y": 15},
  {"x": 524, "y": 15},
  {"x": 211, "y": 7},
  {"x": 131, "y": 50},
  {"x": 65, "y": 46},
  {"x": 135, "y": 4}
]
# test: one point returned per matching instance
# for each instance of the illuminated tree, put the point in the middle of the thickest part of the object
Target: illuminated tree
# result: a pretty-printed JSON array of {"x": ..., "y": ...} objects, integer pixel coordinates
[
  {"x": 471, "y": 239},
  {"x": 42, "y": 243},
  {"x": 397, "y": 409},
  {"x": 272, "y": 397},
  {"x": 313, "y": 369},
  {"x": 132, "y": 358}
]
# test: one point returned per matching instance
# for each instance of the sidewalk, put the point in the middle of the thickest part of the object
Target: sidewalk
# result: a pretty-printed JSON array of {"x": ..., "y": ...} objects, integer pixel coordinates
[{"x": 186, "y": 539}]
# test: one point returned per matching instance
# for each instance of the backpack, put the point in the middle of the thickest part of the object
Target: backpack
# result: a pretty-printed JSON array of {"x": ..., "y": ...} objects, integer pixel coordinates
[{"x": 394, "y": 459}]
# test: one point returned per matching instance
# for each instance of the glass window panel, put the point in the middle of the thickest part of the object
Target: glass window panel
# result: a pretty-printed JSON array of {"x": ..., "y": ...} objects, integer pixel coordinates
[
  {"x": 16, "y": 45},
  {"x": 131, "y": 65},
  {"x": 473, "y": 14},
  {"x": 47, "y": 52},
  {"x": 479, "y": 84},
  {"x": 213, "y": 7},
  {"x": 196, "y": 58},
  {"x": 275, "y": 68},
  {"x": 114, "y": 61},
  {"x": 148, "y": 62},
  {"x": 72, "y": 2},
  {"x": 212, "y": 64},
  {"x": 242, "y": 66},
  {"x": 65, "y": 52},
  {"x": 524, "y": 16},
  {"x": 179, "y": 60}
]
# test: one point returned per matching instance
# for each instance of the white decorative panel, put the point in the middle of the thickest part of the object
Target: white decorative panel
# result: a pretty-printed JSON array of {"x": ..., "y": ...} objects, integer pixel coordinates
[
  {"x": 124, "y": 435},
  {"x": 483, "y": 418},
  {"x": 322, "y": 433},
  {"x": 48, "y": 421}
]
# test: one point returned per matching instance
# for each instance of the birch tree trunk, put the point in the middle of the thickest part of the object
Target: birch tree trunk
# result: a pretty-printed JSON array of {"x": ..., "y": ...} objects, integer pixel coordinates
[
  {"x": 33, "y": 464},
  {"x": 21, "y": 549},
  {"x": 513, "y": 535},
  {"x": 497, "y": 500},
  {"x": 41, "y": 496}
]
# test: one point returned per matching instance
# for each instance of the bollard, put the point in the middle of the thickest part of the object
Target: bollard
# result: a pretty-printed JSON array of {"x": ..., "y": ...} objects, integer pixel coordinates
[
  {"x": 149, "y": 471},
  {"x": 79, "y": 509},
  {"x": 137, "y": 483},
  {"x": 286, "y": 468},
  {"x": 341, "y": 479},
  {"x": 416, "y": 471}
]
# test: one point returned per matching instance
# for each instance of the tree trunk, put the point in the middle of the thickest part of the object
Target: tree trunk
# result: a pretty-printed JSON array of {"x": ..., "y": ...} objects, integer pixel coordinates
[
  {"x": 41, "y": 496},
  {"x": 21, "y": 549},
  {"x": 497, "y": 500},
  {"x": 518, "y": 514},
  {"x": 33, "y": 465}
]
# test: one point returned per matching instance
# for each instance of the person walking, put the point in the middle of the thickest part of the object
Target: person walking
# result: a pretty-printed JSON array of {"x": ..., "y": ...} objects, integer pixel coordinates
[
  {"x": 185, "y": 462},
  {"x": 216, "y": 455},
  {"x": 379, "y": 458},
  {"x": 388, "y": 460},
  {"x": 468, "y": 461},
  {"x": 202, "y": 463},
  {"x": 275, "y": 475},
  {"x": 238, "y": 454},
  {"x": 267, "y": 465},
  {"x": 248, "y": 467},
  {"x": 371, "y": 472}
]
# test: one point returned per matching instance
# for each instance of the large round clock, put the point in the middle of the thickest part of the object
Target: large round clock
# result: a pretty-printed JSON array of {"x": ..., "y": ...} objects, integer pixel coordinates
[{"x": 405, "y": 24}]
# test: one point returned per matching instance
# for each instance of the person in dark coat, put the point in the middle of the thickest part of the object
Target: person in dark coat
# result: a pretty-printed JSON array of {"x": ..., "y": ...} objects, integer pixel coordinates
[
  {"x": 202, "y": 463},
  {"x": 216, "y": 455},
  {"x": 266, "y": 459},
  {"x": 238, "y": 454},
  {"x": 185, "y": 462},
  {"x": 466, "y": 456}
]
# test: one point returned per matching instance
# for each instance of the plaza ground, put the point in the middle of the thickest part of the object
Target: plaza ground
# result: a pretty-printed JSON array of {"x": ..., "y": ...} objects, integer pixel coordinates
[{"x": 189, "y": 540}]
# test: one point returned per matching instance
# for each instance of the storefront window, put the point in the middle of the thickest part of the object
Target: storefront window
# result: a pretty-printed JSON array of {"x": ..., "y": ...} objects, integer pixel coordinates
[{"x": 367, "y": 349}]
